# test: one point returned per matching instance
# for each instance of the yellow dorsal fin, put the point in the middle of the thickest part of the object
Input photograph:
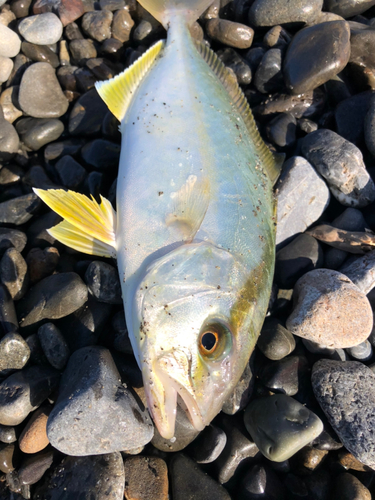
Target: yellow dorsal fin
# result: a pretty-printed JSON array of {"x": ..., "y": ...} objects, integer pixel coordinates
[
  {"x": 118, "y": 91},
  {"x": 269, "y": 162},
  {"x": 189, "y": 206},
  {"x": 88, "y": 226}
]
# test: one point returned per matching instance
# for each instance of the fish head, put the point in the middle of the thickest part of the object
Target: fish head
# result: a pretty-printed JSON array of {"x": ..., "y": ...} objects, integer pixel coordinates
[{"x": 195, "y": 333}]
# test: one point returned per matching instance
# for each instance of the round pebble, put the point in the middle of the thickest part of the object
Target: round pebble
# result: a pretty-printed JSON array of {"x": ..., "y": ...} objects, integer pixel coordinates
[
  {"x": 14, "y": 353},
  {"x": 42, "y": 29},
  {"x": 34, "y": 435},
  {"x": 10, "y": 43},
  {"x": 54, "y": 345}
]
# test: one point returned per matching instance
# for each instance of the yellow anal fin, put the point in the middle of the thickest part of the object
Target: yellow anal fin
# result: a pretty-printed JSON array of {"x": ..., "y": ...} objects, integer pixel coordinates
[
  {"x": 189, "y": 206},
  {"x": 271, "y": 163},
  {"x": 118, "y": 91},
  {"x": 88, "y": 226}
]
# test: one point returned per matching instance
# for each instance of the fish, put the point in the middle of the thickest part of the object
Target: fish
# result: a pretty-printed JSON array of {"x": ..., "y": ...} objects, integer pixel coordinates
[{"x": 194, "y": 227}]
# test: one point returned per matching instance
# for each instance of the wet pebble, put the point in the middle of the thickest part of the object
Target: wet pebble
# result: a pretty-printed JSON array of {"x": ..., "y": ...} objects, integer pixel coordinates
[
  {"x": 7, "y": 434},
  {"x": 42, "y": 29},
  {"x": 146, "y": 477},
  {"x": 54, "y": 345},
  {"x": 268, "y": 77}
]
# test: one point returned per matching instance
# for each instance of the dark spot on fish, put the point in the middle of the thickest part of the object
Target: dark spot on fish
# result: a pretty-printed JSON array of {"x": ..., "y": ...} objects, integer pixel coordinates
[{"x": 160, "y": 193}]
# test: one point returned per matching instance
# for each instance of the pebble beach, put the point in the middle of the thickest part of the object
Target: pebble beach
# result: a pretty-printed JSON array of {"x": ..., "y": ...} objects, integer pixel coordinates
[{"x": 300, "y": 424}]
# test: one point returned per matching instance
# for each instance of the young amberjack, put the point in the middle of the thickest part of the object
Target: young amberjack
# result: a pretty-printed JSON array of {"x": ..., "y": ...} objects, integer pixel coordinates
[{"x": 194, "y": 233}]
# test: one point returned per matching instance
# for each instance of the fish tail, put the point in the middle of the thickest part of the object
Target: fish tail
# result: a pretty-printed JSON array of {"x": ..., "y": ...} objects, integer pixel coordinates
[{"x": 165, "y": 10}]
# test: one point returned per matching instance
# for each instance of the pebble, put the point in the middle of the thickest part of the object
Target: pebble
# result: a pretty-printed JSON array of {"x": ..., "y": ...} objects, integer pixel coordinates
[
  {"x": 277, "y": 37},
  {"x": 41, "y": 262},
  {"x": 189, "y": 482},
  {"x": 341, "y": 164},
  {"x": 101, "y": 153},
  {"x": 324, "y": 297},
  {"x": 97, "y": 24},
  {"x": 12, "y": 238},
  {"x": 7, "y": 434},
  {"x": 34, "y": 435},
  {"x": 87, "y": 114},
  {"x": 40, "y": 53},
  {"x": 268, "y": 76},
  {"x": 350, "y": 116},
  {"x": 122, "y": 25},
  {"x": 308, "y": 459},
  {"x": 146, "y": 478},
  {"x": 82, "y": 50},
  {"x": 304, "y": 105},
  {"x": 40, "y": 131},
  {"x": 369, "y": 127},
  {"x": 362, "y": 351},
  {"x": 33, "y": 467},
  {"x": 230, "y": 33},
  {"x": 9, "y": 140},
  {"x": 281, "y": 131},
  {"x": 361, "y": 272},
  {"x": 54, "y": 345},
  {"x": 51, "y": 298},
  {"x": 315, "y": 55},
  {"x": 67, "y": 10},
  {"x": 261, "y": 482},
  {"x": 42, "y": 29},
  {"x": 10, "y": 105},
  {"x": 345, "y": 391},
  {"x": 9, "y": 457},
  {"x": 271, "y": 12},
  {"x": 348, "y": 487},
  {"x": 6, "y": 66},
  {"x": 237, "y": 64},
  {"x": 207, "y": 447},
  {"x": 61, "y": 148},
  {"x": 8, "y": 317},
  {"x": 93, "y": 477},
  {"x": 19, "y": 210},
  {"x": 302, "y": 197},
  {"x": 10, "y": 42},
  {"x": 110, "y": 418},
  {"x": 275, "y": 341},
  {"x": 280, "y": 426},
  {"x": 241, "y": 394},
  {"x": 24, "y": 391},
  {"x": 103, "y": 282},
  {"x": 13, "y": 273},
  {"x": 14, "y": 353},
  {"x": 10, "y": 174},
  {"x": 348, "y": 8},
  {"x": 283, "y": 376}
]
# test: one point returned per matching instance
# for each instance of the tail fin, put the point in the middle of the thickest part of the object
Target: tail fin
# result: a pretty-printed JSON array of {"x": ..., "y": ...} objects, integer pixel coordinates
[{"x": 164, "y": 10}]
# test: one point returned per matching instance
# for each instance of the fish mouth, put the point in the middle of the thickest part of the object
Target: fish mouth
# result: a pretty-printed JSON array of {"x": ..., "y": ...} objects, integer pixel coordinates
[{"x": 169, "y": 378}]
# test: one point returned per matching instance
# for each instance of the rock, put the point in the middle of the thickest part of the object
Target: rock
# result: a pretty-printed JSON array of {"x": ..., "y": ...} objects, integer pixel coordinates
[
  {"x": 42, "y": 29},
  {"x": 308, "y": 459},
  {"x": 42, "y": 263},
  {"x": 268, "y": 77},
  {"x": 19, "y": 210},
  {"x": 304, "y": 105},
  {"x": 281, "y": 131},
  {"x": 369, "y": 127},
  {"x": 38, "y": 132},
  {"x": 302, "y": 197},
  {"x": 347, "y": 460},
  {"x": 9, "y": 140},
  {"x": 14, "y": 353},
  {"x": 350, "y": 116},
  {"x": 146, "y": 477},
  {"x": 345, "y": 391},
  {"x": 12, "y": 238},
  {"x": 275, "y": 342},
  {"x": 348, "y": 8},
  {"x": 283, "y": 376},
  {"x": 272, "y": 12},
  {"x": 10, "y": 105},
  {"x": 67, "y": 10},
  {"x": 277, "y": 37},
  {"x": 40, "y": 53},
  {"x": 54, "y": 345},
  {"x": 280, "y": 426},
  {"x": 229, "y": 33},
  {"x": 10, "y": 174},
  {"x": 122, "y": 25},
  {"x": 34, "y": 435},
  {"x": 348, "y": 487},
  {"x": 37, "y": 177},
  {"x": 101, "y": 153},
  {"x": 103, "y": 282},
  {"x": 261, "y": 482},
  {"x": 8, "y": 318},
  {"x": 54, "y": 297},
  {"x": 362, "y": 351},
  {"x": 13, "y": 273},
  {"x": 315, "y": 55},
  {"x": 9, "y": 457},
  {"x": 190, "y": 483},
  {"x": 300, "y": 256},
  {"x": 361, "y": 272},
  {"x": 110, "y": 418},
  {"x": 6, "y": 66},
  {"x": 87, "y": 114},
  {"x": 307, "y": 125},
  {"x": 24, "y": 391},
  {"x": 10, "y": 43},
  {"x": 324, "y": 297},
  {"x": 7, "y": 434},
  {"x": 82, "y": 50},
  {"x": 241, "y": 394},
  {"x": 235, "y": 62},
  {"x": 85, "y": 478},
  {"x": 97, "y": 24},
  {"x": 33, "y": 467},
  {"x": 207, "y": 447},
  {"x": 121, "y": 341},
  {"x": 341, "y": 164}
]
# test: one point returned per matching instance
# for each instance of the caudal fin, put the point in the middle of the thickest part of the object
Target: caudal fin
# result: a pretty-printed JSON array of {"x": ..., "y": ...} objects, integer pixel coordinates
[{"x": 164, "y": 10}]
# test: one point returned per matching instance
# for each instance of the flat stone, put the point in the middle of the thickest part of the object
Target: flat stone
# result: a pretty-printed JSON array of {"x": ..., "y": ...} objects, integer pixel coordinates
[
  {"x": 10, "y": 43},
  {"x": 269, "y": 77},
  {"x": 110, "y": 418},
  {"x": 280, "y": 426},
  {"x": 19, "y": 210},
  {"x": 40, "y": 53},
  {"x": 54, "y": 345},
  {"x": 324, "y": 297},
  {"x": 315, "y": 55},
  {"x": 86, "y": 478},
  {"x": 13, "y": 273},
  {"x": 54, "y": 297},
  {"x": 341, "y": 164},
  {"x": 361, "y": 272},
  {"x": 14, "y": 353},
  {"x": 24, "y": 391},
  {"x": 42, "y": 29},
  {"x": 8, "y": 317},
  {"x": 87, "y": 114},
  {"x": 103, "y": 282},
  {"x": 302, "y": 197},
  {"x": 97, "y": 24},
  {"x": 275, "y": 341},
  {"x": 33, "y": 467},
  {"x": 9, "y": 140},
  {"x": 146, "y": 478},
  {"x": 345, "y": 391},
  {"x": 34, "y": 435},
  {"x": 207, "y": 447},
  {"x": 122, "y": 25},
  {"x": 271, "y": 12},
  {"x": 230, "y": 33},
  {"x": 348, "y": 8}
]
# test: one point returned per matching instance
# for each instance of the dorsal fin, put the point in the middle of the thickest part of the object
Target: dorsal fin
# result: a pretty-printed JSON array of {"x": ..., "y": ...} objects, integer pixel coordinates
[
  {"x": 271, "y": 165},
  {"x": 118, "y": 91}
]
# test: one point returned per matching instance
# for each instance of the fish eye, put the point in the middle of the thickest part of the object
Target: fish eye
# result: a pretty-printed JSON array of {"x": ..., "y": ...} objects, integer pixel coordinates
[
  {"x": 214, "y": 340},
  {"x": 209, "y": 341}
]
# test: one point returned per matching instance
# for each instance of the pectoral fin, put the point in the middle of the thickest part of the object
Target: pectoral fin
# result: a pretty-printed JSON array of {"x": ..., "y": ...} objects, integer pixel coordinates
[{"x": 88, "y": 226}]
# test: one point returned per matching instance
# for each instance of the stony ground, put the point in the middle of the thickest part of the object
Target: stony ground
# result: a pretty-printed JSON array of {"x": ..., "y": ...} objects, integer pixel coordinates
[{"x": 301, "y": 423}]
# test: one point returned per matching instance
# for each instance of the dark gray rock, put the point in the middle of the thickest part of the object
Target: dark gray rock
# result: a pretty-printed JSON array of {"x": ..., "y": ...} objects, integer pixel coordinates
[
  {"x": 348, "y": 487},
  {"x": 350, "y": 115},
  {"x": 281, "y": 131},
  {"x": 110, "y": 419},
  {"x": 369, "y": 127},
  {"x": 361, "y": 272},
  {"x": 268, "y": 77},
  {"x": 208, "y": 445},
  {"x": 235, "y": 62},
  {"x": 24, "y": 391},
  {"x": 103, "y": 282},
  {"x": 272, "y": 12},
  {"x": 9, "y": 140},
  {"x": 14, "y": 353},
  {"x": 229, "y": 33},
  {"x": 42, "y": 262},
  {"x": 37, "y": 177},
  {"x": 62, "y": 148},
  {"x": 71, "y": 173},
  {"x": 345, "y": 391},
  {"x": 8, "y": 317},
  {"x": 12, "y": 238},
  {"x": 87, "y": 114},
  {"x": 101, "y": 153},
  {"x": 13, "y": 273},
  {"x": 40, "y": 53},
  {"x": 341, "y": 164},
  {"x": 275, "y": 341},
  {"x": 54, "y": 297},
  {"x": 33, "y": 467},
  {"x": 362, "y": 351},
  {"x": 19, "y": 210},
  {"x": 261, "y": 482},
  {"x": 82, "y": 50},
  {"x": 284, "y": 376},
  {"x": 121, "y": 341},
  {"x": 348, "y": 8},
  {"x": 37, "y": 132},
  {"x": 37, "y": 230},
  {"x": 54, "y": 345},
  {"x": 10, "y": 174}
]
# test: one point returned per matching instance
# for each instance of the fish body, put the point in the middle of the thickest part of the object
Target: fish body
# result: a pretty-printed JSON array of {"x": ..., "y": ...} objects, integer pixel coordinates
[{"x": 195, "y": 230}]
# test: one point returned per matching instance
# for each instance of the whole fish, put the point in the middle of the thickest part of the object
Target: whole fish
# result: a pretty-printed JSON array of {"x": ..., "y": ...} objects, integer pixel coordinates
[{"x": 194, "y": 233}]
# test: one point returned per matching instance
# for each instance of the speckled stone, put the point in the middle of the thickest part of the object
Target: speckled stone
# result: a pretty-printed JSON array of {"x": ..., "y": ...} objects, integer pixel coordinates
[
  {"x": 272, "y": 12},
  {"x": 42, "y": 29},
  {"x": 34, "y": 466},
  {"x": 146, "y": 478},
  {"x": 54, "y": 345},
  {"x": 14, "y": 353},
  {"x": 229, "y": 33},
  {"x": 34, "y": 435},
  {"x": 10, "y": 42},
  {"x": 361, "y": 271},
  {"x": 14, "y": 274}
]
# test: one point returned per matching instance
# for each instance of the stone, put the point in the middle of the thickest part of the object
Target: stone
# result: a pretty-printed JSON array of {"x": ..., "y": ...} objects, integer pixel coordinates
[
  {"x": 112, "y": 4},
  {"x": 13, "y": 273},
  {"x": 6, "y": 15},
  {"x": 300, "y": 256},
  {"x": 241, "y": 394},
  {"x": 280, "y": 426},
  {"x": 235, "y": 62},
  {"x": 230, "y": 33},
  {"x": 315, "y": 55},
  {"x": 361, "y": 41},
  {"x": 121, "y": 341},
  {"x": 324, "y": 297},
  {"x": 34, "y": 435},
  {"x": 9, "y": 140},
  {"x": 281, "y": 131},
  {"x": 308, "y": 459},
  {"x": 85, "y": 478},
  {"x": 21, "y": 8},
  {"x": 87, "y": 114},
  {"x": 345, "y": 392},
  {"x": 261, "y": 482},
  {"x": 302, "y": 197},
  {"x": 347, "y": 460},
  {"x": 101, "y": 153},
  {"x": 307, "y": 125},
  {"x": 275, "y": 341},
  {"x": 40, "y": 53},
  {"x": 304, "y": 105},
  {"x": 350, "y": 115},
  {"x": 40, "y": 131},
  {"x": 62, "y": 148},
  {"x": 22, "y": 392},
  {"x": 10, "y": 174},
  {"x": 10, "y": 105},
  {"x": 103, "y": 282},
  {"x": 283, "y": 376},
  {"x": 85, "y": 80},
  {"x": 269, "y": 77},
  {"x": 19, "y": 210},
  {"x": 207, "y": 447},
  {"x": 110, "y": 418},
  {"x": 271, "y": 12},
  {"x": 33, "y": 467},
  {"x": 190, "y": 483},
  {"x": 362, "y": 351},
  {"x": 10, "y": 43},
  {"x": 82, "y": 50},
  {"x": 7, "y": 434},
  {"x": 122, "y": 25},
  {"x": 42, "y": 29},
  {"x": 361, "y": 271},
  {"x": 9, "y": 457},
  {"x": 54, "y": 345},
  {"x": 6, "y": 66},
  {"x": 97, "y": 24},
  {"x": 8, "y": 317},
  {"x": 348, "y": 8},
  {"x": 348, "y": 487},
  {"x": 51, "y": 298},
  {"x": 341, "y": 164},
  {"x": 42, "y": 262},
  {"x": 14, "y": 353},
  {"x": 40, "y": 94},
  {"x": 37, "y": 177},
  {"x": 12, "y": 238},
  {"x": 67, "y": 10},
  {"x": 277, "y": 37},
  {"x": 146, "y": 478},
  {"x": 369, "y": 127}
]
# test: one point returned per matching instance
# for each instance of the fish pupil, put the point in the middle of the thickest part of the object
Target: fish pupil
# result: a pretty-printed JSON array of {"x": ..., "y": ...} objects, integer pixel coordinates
[{"x": 209, "y": 341}]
